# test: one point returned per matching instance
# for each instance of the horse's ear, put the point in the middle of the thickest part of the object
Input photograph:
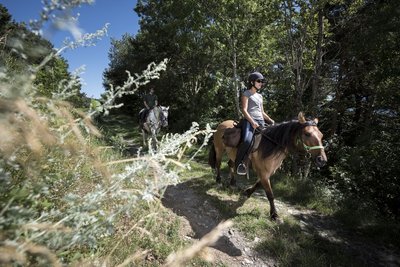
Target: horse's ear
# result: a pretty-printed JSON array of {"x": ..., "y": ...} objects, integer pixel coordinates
[
  {"x": 301, "y": 117},
  {"x": 168, "y": 108},
  {"x": 316, "y": 120}
]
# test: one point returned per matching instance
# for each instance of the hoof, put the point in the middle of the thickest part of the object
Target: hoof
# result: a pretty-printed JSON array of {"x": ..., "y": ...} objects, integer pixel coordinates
[
  {"x": 277, "y": 220},
  {"x": 242, "y": 199},
  {"x": 247, "y": 193},
  {"x": 275, "y": 217}
]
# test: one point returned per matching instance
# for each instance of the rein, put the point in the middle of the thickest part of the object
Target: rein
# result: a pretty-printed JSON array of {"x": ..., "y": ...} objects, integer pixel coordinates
[
  {"x": 299, "y": 140},
  {"x": 269, "y": 138}
]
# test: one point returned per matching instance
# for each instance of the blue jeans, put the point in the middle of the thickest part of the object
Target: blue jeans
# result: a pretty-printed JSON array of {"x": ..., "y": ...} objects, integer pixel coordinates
[{"x": 247, "y": 138}]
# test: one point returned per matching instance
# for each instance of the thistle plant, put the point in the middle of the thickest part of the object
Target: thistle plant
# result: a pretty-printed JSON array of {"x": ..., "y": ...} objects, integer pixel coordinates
[{"x": 60, "y": 193}]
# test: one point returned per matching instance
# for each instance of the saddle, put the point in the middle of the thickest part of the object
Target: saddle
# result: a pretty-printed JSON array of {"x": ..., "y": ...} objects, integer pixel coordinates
[{"x": 232, "y": 136}]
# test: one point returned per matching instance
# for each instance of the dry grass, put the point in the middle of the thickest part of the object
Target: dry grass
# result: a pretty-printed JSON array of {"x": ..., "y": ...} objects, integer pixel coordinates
[{"x": 46, "y": 138}]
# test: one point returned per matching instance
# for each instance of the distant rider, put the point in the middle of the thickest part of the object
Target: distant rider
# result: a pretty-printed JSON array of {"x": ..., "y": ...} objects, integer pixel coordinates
[{"x": 150, "y": 100}]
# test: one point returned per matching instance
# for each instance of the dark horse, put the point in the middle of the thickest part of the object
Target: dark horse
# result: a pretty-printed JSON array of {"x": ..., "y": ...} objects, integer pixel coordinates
[{"x": 276, "y": 143}]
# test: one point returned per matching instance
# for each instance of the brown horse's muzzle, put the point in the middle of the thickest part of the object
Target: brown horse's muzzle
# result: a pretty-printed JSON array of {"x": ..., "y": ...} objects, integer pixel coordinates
[{"x": 320, "y": 160}]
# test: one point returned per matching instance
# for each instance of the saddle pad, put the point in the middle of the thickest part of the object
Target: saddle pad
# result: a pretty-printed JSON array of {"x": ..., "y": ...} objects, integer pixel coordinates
[{"x": 232, "y": 136}]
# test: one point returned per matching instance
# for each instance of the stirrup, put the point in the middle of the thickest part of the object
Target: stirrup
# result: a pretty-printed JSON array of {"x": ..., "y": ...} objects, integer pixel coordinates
[{"x": 241, "y": 169}]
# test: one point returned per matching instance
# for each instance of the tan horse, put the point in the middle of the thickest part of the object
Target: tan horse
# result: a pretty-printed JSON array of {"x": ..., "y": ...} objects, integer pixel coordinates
[{"x": 276, "y": 143}]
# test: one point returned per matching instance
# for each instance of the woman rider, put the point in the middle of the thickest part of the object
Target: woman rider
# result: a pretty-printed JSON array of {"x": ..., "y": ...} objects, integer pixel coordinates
[{"x": 254, "y": 115}]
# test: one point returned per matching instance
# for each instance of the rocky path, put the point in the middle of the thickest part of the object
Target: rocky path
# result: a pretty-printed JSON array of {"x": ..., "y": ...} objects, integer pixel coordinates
[{"x": 199, "y": 217}]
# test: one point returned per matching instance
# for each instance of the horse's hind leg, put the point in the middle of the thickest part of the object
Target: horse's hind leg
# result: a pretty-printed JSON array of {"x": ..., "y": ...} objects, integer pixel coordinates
[
  {"x": 218, "y": 157},
  {"x": 249, "y": 191},
  {"x": 232, "y": 179}
]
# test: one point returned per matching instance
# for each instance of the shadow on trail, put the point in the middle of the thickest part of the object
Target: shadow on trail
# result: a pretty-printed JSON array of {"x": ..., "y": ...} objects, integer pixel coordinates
[
  {"x": 199, "y": 210},
  {"x": 349, "y": 244}
]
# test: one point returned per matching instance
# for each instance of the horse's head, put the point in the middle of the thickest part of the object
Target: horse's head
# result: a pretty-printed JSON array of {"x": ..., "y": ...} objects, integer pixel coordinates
[
  {"x": 310, "y": 140},
  {"x": 164, "y": 116}
]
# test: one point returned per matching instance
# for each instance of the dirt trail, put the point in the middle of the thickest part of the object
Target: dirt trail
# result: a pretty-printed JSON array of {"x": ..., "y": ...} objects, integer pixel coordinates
[{"x": 199, "y": 216}]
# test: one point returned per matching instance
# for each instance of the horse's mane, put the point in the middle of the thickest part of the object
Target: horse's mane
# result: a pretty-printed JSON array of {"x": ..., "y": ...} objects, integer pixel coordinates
[{"x": 278, "y": 138}]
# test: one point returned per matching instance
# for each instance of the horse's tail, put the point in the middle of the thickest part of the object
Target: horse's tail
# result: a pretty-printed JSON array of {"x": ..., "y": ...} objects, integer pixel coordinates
[{"x": 212, "y": 156}]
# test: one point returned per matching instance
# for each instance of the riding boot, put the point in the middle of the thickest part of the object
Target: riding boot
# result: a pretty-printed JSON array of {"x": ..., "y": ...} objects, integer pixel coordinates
[{"x": 241, "y": 159}]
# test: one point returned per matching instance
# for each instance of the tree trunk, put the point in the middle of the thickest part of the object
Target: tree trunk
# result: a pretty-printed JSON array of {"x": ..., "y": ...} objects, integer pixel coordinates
[
  {"x": 318, "y": 65},
  {"x": 235, "y": 84}
]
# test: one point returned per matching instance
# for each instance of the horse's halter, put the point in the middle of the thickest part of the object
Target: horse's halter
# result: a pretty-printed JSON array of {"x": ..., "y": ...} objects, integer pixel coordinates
[{"x": 300, "y": 140}]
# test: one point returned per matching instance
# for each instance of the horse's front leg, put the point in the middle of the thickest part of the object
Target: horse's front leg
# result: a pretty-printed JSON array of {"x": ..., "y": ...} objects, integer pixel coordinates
[
  {"x": 156, "y": 132},
  {"x": 266, "y": 183},
  {"x": 144, "y": 137},
  {"x": 154, "y": 138}
]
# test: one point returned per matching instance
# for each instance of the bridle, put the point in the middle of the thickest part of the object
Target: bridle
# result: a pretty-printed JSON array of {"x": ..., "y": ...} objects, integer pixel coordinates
[
  {"x": 309, "y": 148},
  {"x": 301, "y": 142}
]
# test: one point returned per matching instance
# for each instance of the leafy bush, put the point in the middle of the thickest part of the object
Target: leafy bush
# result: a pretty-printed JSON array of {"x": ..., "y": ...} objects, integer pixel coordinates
[{"x": 368, "y": 173}]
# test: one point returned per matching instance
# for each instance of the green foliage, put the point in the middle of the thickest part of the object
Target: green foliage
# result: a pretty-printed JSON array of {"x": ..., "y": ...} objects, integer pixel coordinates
[
  {"x": 365, "y": 109},
  {"x": 370, "y": 174},
  {"x": 202, "y": 45},
  {"x": 23, "y": 51},
  {"x": 48, "y": 79}
]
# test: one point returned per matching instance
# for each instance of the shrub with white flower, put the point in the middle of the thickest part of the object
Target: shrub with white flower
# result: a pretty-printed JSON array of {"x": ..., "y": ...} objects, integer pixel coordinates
[{"x": 60, "y": 192}]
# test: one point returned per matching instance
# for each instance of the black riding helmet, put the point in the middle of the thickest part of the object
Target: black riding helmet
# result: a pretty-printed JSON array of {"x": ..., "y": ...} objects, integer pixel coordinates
[{"x": 254, "y": 76}]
